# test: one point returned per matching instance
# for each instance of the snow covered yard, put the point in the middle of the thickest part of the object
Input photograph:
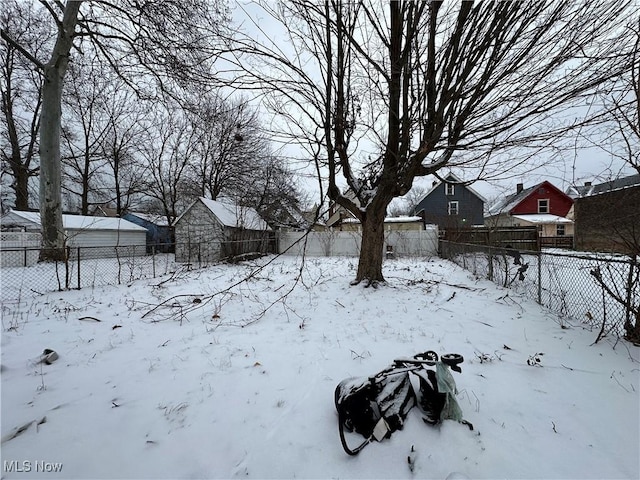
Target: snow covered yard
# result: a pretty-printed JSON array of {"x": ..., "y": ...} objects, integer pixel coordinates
[{"x": 240, "y": 385}]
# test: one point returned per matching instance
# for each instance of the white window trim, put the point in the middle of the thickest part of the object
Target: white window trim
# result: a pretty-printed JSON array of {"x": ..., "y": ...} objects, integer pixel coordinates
[
  {"x": 449, "y": 189},
  {"x": 547, "y": 207},
  {"x": 457, "y": 207}
]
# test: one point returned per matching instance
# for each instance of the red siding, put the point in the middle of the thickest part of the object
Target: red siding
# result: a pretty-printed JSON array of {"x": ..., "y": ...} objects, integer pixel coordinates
[{"x": 559, "y": 202}]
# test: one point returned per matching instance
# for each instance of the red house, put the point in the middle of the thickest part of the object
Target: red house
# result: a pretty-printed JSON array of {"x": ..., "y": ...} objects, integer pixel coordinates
[{"x": 543, "y": 205}]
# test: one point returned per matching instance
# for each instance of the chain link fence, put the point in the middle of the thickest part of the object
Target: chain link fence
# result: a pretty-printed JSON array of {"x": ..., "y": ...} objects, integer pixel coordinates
[
  {"x": 22, "y": 275},
  {"x": 600, "y": 291}
]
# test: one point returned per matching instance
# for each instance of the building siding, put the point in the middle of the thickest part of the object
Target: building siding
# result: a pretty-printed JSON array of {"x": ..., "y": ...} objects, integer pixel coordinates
[
  {"x": 198, "y": 235},
  {"x": 159, "y": 237},
  {"x": 434, "y": 207},
  {"x": 90, "y": 239},
  {"x": 609, "y": 222},
  {"x": 559, "y": 202},
  {"x": 202, "y": 237}
]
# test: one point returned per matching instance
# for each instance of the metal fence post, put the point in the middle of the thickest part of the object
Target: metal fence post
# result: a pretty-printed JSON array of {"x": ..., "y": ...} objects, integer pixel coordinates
[
  {"x": 629, "y": 291},
  {"x": 539, "y": 277},
  {"x": 490, "y": 263},
  {"x": 67, "y": 273},
  {"x": 78, "y": 261}
]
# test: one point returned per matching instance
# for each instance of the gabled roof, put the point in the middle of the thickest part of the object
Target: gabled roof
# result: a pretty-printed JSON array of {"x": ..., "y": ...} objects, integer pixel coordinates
[
  {"x": 577, "y": 191},
  {"x": 616, "y": 184},
  {"x": 74, "y": 222},
  {"x": 507, "y": 204},
  {"x": 155, "y": 218},
  {"x": 231, "y": 215},
  {"x": 341, "y": 214},
  {"x": 284, "y": 215},
  {"x": 455, "y": 180}
]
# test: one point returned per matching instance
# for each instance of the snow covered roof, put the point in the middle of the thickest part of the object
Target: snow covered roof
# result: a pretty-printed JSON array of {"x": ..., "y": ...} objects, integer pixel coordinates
[
  {"x": 611, "y": 185},
  {"x": 156, "y": 219},
  {"x": 508, "y": 203},
  {"x": 504, "y": 205},
  {"x": 235, "y": 216},
  {"x": 73, "y": 222},
  {"x": 542, "y": 218},
  {"x": 400, "y": 219}
]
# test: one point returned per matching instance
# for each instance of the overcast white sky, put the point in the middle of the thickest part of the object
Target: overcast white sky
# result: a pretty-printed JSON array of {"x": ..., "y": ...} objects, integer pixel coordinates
[{"x": 573, "y": 166}]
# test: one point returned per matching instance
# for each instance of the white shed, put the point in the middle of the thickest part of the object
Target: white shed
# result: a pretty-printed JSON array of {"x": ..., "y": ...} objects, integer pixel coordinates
[{"x": 85, "y": 232}]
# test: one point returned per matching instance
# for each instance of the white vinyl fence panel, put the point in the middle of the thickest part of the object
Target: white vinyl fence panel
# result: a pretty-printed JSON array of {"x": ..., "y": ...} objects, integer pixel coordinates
[
  {"x": 337, "y": 243},
  {"x": 12, "y": 242}
]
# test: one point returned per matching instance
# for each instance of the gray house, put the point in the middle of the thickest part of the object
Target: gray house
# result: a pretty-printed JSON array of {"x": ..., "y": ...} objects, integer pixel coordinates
[
  {"x": 451, "y": 204},
  {"x": 210, "y": 230}
]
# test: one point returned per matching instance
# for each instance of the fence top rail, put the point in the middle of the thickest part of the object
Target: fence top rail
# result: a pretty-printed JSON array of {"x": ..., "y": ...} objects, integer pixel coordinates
[
  {"x": 600, "y": 257},
  {"x": 74, "y": 247}
]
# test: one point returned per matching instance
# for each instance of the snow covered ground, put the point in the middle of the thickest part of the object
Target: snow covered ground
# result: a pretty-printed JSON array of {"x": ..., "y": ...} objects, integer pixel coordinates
[{"x": 229, "y": 379}]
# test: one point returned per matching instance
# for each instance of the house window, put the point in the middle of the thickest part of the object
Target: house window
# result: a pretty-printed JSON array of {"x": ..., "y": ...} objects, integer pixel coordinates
[
  {"x": 453, "y": 208},
  {"x": 449, "y": 189},
  {"x": 543, "y": 205},
  {"x": 560, "y": 232}
]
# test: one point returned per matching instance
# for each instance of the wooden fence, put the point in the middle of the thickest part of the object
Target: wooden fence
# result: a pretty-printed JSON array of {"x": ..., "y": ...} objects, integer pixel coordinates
[{"x": 517, "y": 238}]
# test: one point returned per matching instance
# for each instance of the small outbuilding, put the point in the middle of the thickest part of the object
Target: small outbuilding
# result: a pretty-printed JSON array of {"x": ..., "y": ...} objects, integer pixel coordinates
[
  {"x": 94, "y": 236},
  {"x": 159, "y": 232},
  {"x": 211, "y": 230}
]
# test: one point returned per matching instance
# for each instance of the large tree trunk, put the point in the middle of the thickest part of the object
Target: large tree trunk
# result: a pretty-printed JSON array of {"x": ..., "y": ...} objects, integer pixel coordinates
[
  {"x": 21, "y": 187},
  {"x": 19, "y": 166},
  {"x": 371, "y": 248},
  {"x": 50, "y": 127},
  {"x": 50, "y": 171},
  {"x": 632, "y": 328}
]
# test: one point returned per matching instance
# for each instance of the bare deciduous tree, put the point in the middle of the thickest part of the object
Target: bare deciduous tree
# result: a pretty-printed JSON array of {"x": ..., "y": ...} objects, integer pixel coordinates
[
  {"x": 84, "y": 129},
  {"x": 273, "y": 192},
  {"x": 396, "y": 90},
  {"x": 622, "y": 112},
  {"x": 148, "y": 44},
  {"x": 103, "y": 128},
  {"x": 228, "y": 145},
  {"x": 168, "y": 152},
  {"x": 127, "y": 130},
  {"x": 21, "y": 98}
]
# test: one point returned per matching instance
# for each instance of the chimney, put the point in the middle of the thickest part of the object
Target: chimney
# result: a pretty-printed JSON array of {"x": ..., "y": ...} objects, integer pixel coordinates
[
  {"x": 587, "y": 184},
  {"x": 519, "y": 187}
]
